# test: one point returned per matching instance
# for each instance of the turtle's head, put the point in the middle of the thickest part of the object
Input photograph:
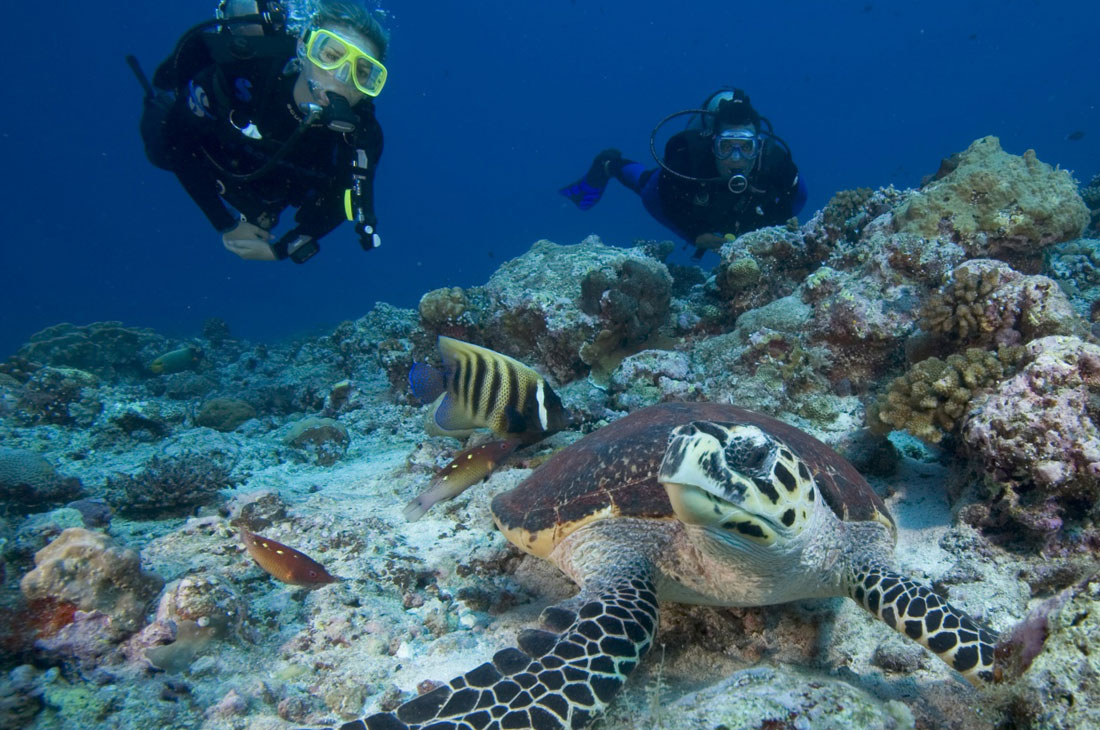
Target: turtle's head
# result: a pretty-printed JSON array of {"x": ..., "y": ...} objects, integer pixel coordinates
[{"x": 737, "y": 481}]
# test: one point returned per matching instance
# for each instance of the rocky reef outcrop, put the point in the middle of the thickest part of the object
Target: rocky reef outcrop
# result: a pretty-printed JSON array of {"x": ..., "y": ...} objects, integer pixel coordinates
[
  {"x": 997, "y": 205},
  {"x": 90, "y": 571}
]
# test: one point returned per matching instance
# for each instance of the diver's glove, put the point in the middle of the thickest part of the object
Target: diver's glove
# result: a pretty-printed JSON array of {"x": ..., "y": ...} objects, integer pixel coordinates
[{"x": 368, "y": 238}]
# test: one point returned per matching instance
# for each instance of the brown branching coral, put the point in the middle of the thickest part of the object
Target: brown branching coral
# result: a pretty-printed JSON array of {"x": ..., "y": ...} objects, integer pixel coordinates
[
  {"x": 958, "y": 310},
  {"x": 170, "y": 485},
  {"x": 987, "y": 303},
  {"x": 844, "y": 207},
  {"x": 931, "y": 399}
]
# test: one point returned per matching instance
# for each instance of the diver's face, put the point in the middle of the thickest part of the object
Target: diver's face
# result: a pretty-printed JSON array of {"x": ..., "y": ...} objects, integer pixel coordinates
[
  {"x": 736, "y": 163},
  {"x": 317, "y": 80}
]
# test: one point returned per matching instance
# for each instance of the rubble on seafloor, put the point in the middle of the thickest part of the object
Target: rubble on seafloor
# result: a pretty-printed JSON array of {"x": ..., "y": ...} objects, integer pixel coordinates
[{"x": 957, "y": 323}]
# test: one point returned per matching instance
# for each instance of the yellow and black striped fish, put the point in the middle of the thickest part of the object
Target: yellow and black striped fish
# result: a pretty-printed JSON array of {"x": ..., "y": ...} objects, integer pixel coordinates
[{"x": 484, "y": 389}]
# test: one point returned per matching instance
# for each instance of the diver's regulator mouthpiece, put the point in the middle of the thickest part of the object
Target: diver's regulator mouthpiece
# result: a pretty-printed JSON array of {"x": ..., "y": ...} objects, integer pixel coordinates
[{"x": 337, "y": 116}]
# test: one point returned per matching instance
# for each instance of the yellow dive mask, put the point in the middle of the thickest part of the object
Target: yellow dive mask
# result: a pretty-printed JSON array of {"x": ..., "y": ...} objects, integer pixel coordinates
[{"x": 347, "y": 62}]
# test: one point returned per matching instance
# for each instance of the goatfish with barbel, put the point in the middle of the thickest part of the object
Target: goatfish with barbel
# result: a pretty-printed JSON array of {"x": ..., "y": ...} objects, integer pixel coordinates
[{"x": 480, "y": 388}]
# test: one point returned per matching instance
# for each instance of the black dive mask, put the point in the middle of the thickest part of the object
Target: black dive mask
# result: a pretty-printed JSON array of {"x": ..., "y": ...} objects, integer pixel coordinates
[{"x": 338, "y": 115}]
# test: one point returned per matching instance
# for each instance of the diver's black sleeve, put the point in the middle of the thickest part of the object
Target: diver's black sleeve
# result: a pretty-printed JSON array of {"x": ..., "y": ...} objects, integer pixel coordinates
[
  {"x": 324, "y": 212},
  {"x": 183, "y": 134},
  {"x": 781, "y": 184}
]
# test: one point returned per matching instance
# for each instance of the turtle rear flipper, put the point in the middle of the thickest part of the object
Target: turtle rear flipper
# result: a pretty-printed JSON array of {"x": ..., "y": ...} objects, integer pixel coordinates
[
  {"x": 555, "y": 681},
  {"x": 914, "y": 610}
]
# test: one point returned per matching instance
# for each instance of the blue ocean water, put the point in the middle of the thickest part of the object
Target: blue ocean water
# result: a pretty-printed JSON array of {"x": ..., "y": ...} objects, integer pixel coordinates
[{"x": 489, "y": 108}]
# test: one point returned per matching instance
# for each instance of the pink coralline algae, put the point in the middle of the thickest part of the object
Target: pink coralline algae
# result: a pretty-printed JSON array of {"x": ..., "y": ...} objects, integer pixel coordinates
[{"x": 1037, "y": 436}]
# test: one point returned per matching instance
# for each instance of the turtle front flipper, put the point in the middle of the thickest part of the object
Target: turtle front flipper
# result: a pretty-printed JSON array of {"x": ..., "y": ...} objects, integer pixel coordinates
[
  {"x": 913, "y": 609},
  {"x": 555, "y": 680}
]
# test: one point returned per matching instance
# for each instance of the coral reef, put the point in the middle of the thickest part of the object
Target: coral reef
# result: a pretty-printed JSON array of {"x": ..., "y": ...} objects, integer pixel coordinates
[
  {"x": 28, "y": 482},
  {"x": 931, "y": 399},
  {"x": 760, "y": 267},
  {"x": 806, "y": 324},
  {"x": 987, "y": 304},
  {"x": 224, "y": 414},
  {"x": 324, "y": 440},
  {"x": 1075, "y": 265},
  {"x": 997, "y": 205},
  {"x": 109, "y": 349},
  {"x": 60, "y": 396},
  {"x": 1091, "y": 195},
  {"x": 92, "y": 572},
  {"x": 1037, "y": 438},
  {"x": 170, "y": 485}
]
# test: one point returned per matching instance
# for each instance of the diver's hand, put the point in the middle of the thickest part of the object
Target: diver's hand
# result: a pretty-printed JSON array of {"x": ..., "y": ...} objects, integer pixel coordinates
[
  {"x": 710, "y": 240},
  {"x": 249, "y": 241}
]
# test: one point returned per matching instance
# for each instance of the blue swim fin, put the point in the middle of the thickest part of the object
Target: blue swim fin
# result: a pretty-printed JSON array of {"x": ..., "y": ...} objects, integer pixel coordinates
[
  {"x": 587, "y": 191},
  {"x": 583, "y": 194}
]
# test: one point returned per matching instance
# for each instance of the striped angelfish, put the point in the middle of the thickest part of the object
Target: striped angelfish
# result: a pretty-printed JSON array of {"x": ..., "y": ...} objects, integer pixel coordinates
[{"x": 484, "y": 389}]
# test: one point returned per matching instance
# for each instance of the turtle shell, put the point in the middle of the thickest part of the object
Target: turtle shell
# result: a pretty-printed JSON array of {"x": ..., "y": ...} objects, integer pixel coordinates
[{"x": 612, "y": 472}]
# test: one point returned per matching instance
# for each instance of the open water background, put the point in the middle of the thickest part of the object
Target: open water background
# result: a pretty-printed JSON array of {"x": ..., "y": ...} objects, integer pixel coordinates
[{"x": 489, "y": 108}]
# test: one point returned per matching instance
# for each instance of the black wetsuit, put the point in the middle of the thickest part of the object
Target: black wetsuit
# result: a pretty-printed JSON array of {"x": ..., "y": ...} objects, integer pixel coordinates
[
  {"x": 691, "y": 207},
  {"x": 233, "y": 110}
]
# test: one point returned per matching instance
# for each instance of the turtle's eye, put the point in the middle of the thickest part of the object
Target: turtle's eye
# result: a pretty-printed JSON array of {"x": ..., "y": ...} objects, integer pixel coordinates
[{"x": 748, "y": 455}]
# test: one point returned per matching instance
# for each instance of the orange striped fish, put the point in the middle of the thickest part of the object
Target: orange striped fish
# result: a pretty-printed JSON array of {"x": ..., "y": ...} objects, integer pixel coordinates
[
  {"x": 468, "y": 468},
  {"x": 285, "y": 563}
]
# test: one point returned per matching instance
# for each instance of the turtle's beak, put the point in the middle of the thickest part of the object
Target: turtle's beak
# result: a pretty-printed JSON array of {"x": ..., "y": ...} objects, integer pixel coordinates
[{"x": 704, "y": 492}]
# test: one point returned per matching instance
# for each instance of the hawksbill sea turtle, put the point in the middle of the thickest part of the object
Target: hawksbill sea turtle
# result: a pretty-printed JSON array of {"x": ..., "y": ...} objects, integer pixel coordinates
[{"x": 698, "y": 503}]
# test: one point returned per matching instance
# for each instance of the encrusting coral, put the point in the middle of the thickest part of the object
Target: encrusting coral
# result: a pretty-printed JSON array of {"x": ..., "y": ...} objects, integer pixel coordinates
[
  {"x": 88, "y": 569},
  {"x": 1037, "y": 437},
  {"x": 997, "y": 205},
  {"x": 631, "y": 299}
]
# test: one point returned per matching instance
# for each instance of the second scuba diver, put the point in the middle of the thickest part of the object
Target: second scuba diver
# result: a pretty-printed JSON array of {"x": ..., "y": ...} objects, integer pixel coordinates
[
  {"x": 726, "y": 174},
  {"x": 253, "y": 120}
]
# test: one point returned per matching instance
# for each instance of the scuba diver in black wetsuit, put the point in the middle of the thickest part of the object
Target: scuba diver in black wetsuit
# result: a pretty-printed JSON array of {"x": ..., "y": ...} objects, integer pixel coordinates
[
  {"x": 253, "y": 120},
  {"x": 726, "y": 174}
]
